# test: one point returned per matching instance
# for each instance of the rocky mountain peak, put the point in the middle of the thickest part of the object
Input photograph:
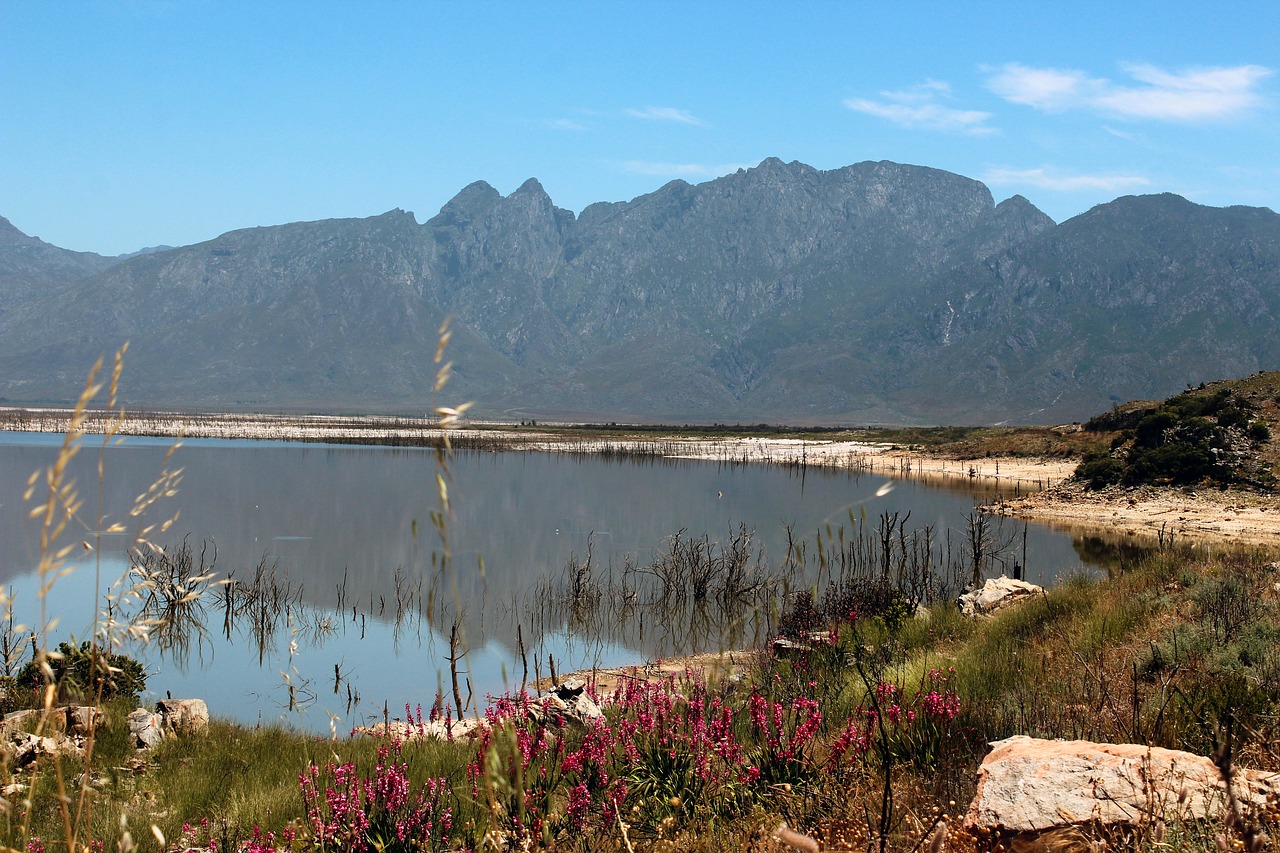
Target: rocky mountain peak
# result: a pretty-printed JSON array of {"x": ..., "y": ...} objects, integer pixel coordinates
[
  {"x": 875, "y": 292},
  {"x": 8, "y": 231}
]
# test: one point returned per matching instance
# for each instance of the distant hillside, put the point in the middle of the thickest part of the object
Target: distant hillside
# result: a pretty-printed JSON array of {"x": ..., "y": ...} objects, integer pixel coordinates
[
  {"x": 29, "y": 266},
  {"x": 875, "y": 293}
]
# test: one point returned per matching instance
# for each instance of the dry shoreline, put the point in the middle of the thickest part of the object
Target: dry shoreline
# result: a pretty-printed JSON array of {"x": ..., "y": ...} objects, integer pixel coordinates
[
  {"x": 1046, "y": 496},
  {"x": 1027, "y": 473},
  {"x": 1168, "y": 514}
]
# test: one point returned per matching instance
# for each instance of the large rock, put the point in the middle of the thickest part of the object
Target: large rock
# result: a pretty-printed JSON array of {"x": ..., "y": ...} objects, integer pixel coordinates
[
  {"x": 147, "y": 728},
  {"x": 1029, "y": 785},
  {"x": 31, "y": 718},
  {"x": 82, "y": 719},
  {"x": 23, "y": 749},
  {"x": 184, "y": 716},
  {"x": 995, "y": 594},
  {"x": 468, "y": 728},
  {"x": 567, "y": 703},
  {"x": 74, "y": 720}
]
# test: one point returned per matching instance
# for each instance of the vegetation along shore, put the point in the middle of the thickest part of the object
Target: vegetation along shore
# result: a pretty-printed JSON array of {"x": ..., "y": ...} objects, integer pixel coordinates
[{"x": 868, "y": 724}]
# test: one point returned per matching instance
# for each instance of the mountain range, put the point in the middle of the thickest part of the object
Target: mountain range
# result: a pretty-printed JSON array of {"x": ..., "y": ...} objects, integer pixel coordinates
[{"x": 874, "y": 293}]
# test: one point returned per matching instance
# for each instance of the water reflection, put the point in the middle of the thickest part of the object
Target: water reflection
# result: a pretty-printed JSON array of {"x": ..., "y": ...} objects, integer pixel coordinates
[{"x": 339, "y": 589}]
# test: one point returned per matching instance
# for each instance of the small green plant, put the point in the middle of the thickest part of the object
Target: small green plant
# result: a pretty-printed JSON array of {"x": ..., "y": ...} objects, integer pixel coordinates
[
  {"x": 86, "y": 671},
  {"x": 1100, "y": 471}
]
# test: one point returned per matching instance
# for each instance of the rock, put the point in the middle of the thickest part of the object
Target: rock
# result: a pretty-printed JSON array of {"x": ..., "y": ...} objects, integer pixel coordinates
[
  {"x": 995, "y": 594},
  {"x": 82, "y": 719},
  {"x": 26, "y": 749},
  {"x": 184, "y": 716},
  {"x": 468, "y": 728},
  {"x": 29, "y": 718},
  {"x": 568, "y": 703},
  {"x": 785, "y": 647},
  {"x": 1029, "y": 785},
  {"x": 146, "y": 727}
]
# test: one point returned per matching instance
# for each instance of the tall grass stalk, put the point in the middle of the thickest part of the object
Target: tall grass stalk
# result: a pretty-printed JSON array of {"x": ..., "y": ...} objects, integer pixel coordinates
[{"x": 58, "y": 509}]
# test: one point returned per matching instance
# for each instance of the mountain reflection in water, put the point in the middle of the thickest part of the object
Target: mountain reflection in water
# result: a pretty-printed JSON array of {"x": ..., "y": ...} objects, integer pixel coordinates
[{"x": 341, "y": 603}]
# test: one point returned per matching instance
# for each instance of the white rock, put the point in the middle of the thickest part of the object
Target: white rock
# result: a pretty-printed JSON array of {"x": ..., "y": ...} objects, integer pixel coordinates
[
  {"x": 568, "y": 702},
  {"x": 81, "y": 719},
  {"x": 995, "y": 594},
  {"x": 147, "y": 728},
  {"x": 184, "y": 716},
  {"x": 465, "y": 729},
  {"x": 24, "y": 748},
  {"x": 1031, "y": 785}
]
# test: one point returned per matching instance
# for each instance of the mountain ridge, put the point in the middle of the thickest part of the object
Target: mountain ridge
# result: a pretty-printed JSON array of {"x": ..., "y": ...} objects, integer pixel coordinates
[{"x": 873, "y": 293}]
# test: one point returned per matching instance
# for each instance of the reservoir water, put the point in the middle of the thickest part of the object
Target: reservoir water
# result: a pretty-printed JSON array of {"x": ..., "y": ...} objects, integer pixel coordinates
[{"x": 355, "y": 600}]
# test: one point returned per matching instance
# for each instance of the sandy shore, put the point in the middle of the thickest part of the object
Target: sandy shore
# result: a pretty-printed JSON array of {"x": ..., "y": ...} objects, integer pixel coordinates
[
  {"x": 1172, "y": 514},
  {"x": 883, "y": 459},
  {"x": 1148, "y": 513},
  {"x": 708, "y": 666}
]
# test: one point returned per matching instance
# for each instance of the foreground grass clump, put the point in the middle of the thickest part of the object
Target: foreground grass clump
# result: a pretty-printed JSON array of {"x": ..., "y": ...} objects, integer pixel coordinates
[{"x": 865, "y": 732}]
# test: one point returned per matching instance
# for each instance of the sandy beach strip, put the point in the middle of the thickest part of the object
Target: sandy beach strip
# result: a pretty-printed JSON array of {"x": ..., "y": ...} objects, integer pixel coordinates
[
  {"x": 871, "y": 458},
  {"x": 1168, "y": 514},
  {"x": 1046, "y": 494}
]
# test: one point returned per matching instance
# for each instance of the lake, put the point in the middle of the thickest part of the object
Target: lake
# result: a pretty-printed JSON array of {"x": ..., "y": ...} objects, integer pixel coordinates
[{"x": 354, "y": 601}]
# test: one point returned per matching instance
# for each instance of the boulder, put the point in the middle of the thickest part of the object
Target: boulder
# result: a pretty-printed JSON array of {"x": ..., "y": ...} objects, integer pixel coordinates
[
  {"x": 82, "y": 719},
  {"x": 784, "y": 647},
  {"x": 184, "y": 716},
  {"x": 29, "y": 718},
  {"x": 568, "y": 703},
  {"x": 1029, "y": 785},
  {"x": 24, "y": 749},
  {"x": 147, "y": 728},
  {"x": 995, "y": 594}
]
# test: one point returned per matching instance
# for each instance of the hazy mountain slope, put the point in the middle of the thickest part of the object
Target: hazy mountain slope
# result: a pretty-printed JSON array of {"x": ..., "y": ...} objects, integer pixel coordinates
[
  {"x": 310, "y": 314},
  {"x": 873, "y": 293},
  {"x": 1132, "y": 299},
  {"x": 29, "y": 266}
]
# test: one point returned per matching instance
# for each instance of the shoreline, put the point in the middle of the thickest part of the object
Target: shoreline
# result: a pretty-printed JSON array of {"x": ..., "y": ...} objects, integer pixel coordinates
[
  {"x": 1168, "y": 515},
  {"x": 1040, "y": 486},
  {"x": 865, "y": 457}
]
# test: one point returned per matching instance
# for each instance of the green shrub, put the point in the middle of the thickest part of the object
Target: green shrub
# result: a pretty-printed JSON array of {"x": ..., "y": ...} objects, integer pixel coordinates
[
  {"x": 88, "y": 672},
  {"x": 1151, "y": 429},
  {"x": 1098, "y": 472},
  {"x": 1178, "y": 462}
]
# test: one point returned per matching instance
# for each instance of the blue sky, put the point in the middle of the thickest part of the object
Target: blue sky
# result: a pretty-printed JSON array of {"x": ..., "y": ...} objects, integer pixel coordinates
[{"x": 128, "y": 124}]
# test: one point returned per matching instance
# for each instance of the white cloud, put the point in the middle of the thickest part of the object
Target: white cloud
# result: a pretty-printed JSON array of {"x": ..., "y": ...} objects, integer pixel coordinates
[
  {"x": 1195, "y": 94},
  {"x": 918, "y": 108},
  {"x": 681, "y": 170},
  {"x": 1122, "y": 134},
  {"x": 665, "y": 114},
  {"x": 1052, "y": 179}
]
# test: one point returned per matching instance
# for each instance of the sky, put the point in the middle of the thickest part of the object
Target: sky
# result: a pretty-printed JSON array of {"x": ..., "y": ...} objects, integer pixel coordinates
[{"x": 135, "y": 123}]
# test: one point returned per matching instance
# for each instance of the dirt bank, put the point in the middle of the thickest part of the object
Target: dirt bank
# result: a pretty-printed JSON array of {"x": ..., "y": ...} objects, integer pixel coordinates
[
  {"x": 1168, "y": 513},
  {"x": 889, "y": 460}
]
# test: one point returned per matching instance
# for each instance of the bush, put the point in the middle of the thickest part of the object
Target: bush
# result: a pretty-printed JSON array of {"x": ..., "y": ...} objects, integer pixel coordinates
[
  {"x": 1180, "y": 463},
  {"x": 802, "y": 618},
  {"x": 1098, "y": 472},
  {"x": 88, "y": 672},
  {"x": 1151, "y": 429}
]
